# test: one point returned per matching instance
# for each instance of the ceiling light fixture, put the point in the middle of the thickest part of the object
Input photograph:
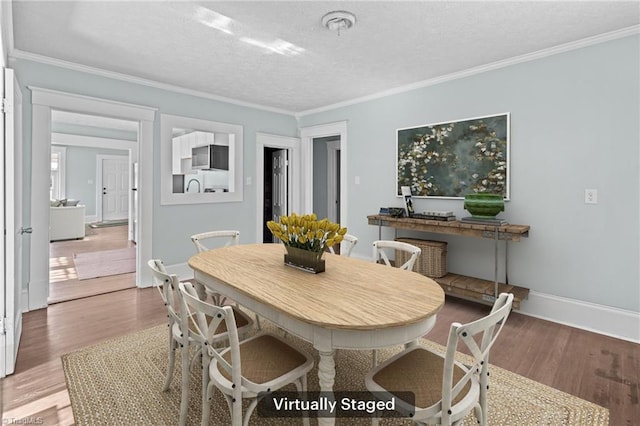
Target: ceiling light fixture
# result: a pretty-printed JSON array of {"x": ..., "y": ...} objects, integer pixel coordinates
[{"x": 339, "y": 20}]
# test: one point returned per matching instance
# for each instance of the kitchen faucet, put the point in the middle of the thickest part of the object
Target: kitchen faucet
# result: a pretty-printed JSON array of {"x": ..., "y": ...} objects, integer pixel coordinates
[{"x": 189, "y": 184}]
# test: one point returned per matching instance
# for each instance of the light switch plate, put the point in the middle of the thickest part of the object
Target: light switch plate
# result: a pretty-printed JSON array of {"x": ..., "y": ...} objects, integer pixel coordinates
[{"x": 591, "y": 196}]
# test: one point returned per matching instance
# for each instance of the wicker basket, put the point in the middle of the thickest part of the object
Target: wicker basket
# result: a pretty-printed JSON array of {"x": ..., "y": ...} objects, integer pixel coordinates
[{"x": 432, "y": 262}]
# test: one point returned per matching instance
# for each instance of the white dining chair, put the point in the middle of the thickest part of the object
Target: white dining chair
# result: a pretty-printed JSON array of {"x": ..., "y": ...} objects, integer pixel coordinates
[
  {"x": 381, "y": 249},
  {"x": 445, "y": 390},
  {"x": 168, "y": 287},
  {"x": 246, "y": 368},
  {"x": 351, "y": 241},
  {"x": 208, "y": 240},
  {"x": 205, "y": 241}
]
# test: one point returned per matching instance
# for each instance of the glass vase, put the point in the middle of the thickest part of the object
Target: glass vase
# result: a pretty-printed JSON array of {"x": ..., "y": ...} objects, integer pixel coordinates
[{"x": 306, "y": 260}]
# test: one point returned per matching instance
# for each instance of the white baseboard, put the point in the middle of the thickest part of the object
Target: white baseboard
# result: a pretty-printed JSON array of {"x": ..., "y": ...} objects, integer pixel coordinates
[
  {"x": 601, "y": 319},
  {"x": 25, "y": 300}
]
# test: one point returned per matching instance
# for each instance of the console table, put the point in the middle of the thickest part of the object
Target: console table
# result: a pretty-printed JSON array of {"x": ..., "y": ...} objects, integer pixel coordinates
[{"x": 461, "y": 286}]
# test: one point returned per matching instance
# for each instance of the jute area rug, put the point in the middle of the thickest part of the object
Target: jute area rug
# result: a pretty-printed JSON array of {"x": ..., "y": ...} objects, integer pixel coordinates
[
  {"x": 120, "y": 382},
  {"x": 105, "y": 263}
]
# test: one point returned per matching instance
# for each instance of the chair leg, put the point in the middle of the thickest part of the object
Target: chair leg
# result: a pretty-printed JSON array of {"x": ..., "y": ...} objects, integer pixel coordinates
[
  {"x": 303, "y": 381},
  {"x": 207, "y": 388},
  {"x": 301, "y": 387},
  {"x": 236, "y": 412},
  {"x": 480, "y": 415},
  {"x": 172, "y": 362},
  {"x": 258, "y": 323},
  {"x": 374, "y": 357},
  {"x": 206, "y": 404},
  {"x": 184, "y": 399},
  {"x": 247, "y": 415}
]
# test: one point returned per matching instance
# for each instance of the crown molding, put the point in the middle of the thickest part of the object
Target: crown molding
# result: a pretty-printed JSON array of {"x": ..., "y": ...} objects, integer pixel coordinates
[
  {"x": 566, "y": 47},
  {"x": 20, "y": 54},
  {"x": 562, "y": 48}
]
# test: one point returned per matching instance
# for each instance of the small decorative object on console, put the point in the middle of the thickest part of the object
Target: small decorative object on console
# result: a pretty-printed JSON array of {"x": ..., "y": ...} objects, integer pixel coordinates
[
  {"x": 396, "y": 211},
  {"x": 436, "y": 215},
  {"x": 306, "y": 239},
  {"x": 408, "y": 202},
  {"x": 484, "y": 206}
]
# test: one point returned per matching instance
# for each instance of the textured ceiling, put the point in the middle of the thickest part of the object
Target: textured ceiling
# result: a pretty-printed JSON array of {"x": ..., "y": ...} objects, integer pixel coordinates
[{"x": 278, "y": 55}]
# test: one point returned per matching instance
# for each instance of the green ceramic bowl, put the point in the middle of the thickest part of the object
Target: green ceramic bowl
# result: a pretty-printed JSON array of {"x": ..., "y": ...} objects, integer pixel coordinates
[{"x": 484, "y": 206}]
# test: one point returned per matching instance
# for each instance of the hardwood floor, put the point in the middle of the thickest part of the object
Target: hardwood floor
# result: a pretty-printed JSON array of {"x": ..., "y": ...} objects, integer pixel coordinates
[
  {"x": 64, "y": 284},
  {"x": 599, "y": 369}
]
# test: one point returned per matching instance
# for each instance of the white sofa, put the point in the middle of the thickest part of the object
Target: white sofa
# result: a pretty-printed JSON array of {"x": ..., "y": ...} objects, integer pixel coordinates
[{"x": 66, "y": 223}]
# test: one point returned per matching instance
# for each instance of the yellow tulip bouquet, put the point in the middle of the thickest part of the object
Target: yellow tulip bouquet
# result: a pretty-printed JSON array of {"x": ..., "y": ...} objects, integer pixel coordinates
[
  {"x": 306, "y": 238},
  {"x": 306, "y": 232}
]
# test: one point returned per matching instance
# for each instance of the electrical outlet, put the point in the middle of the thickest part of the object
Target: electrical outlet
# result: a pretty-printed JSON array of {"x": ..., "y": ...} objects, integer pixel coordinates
[{"x": 591, "y": 196}]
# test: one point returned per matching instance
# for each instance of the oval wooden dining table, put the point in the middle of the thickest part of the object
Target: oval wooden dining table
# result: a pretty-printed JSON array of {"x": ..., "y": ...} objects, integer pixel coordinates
[{"x": 354, "y": 304}]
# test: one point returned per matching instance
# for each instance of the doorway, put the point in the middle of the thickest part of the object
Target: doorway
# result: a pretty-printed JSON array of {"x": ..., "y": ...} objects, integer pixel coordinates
[
  {"x": 276, "y": 188},
  {"x": 326, "y": 177},
  {"x": 286, "y": 151},
  {"x": 94, "y": 172},
  {"x": 43, "y": 102},
  {"x": 331, "y": 131}
]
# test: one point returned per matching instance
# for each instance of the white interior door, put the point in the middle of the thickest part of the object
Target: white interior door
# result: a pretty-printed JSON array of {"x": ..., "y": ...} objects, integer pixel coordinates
[
  {"x": 115, "y": 188},
  {"x": 293, "y": 193},
  {"x": 11, "y": 327}
]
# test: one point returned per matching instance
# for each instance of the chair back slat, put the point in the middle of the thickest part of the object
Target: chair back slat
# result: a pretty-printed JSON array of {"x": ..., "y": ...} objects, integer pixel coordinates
[
  {"x": 203, "y": 240},
  {"x": 380, "y": 248},
  {"x": 351, "y": 241},
  {"x": 207, "y": 318},
  {"x": 167, "y": 285}
]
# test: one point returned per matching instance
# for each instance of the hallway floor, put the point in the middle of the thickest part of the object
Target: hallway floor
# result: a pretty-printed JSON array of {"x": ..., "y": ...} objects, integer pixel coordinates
[{"x": 64, "y": 284}]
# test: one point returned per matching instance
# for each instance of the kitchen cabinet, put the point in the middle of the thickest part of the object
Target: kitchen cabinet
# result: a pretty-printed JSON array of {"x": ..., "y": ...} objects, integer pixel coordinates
[
  {"x": 176, "y": 157},
  {"x": 182, "y": 149}
]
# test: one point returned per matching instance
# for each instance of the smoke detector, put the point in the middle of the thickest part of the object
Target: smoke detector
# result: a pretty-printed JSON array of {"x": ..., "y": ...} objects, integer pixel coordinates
[{"x": 339, "y": 20}]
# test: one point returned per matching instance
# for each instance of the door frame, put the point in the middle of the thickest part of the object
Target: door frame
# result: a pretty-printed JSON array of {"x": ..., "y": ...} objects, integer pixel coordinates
[
  {"x": 99, "y": 159},
  {"x": 307, "y": 135},
  {"x": 11, "y": 217},
  {"x": 292, "y": 145},
  {"x": 43, "y": 101}
]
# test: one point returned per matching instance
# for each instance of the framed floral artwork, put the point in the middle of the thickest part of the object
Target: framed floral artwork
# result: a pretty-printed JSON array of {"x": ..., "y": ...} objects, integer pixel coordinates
[{"x": 456, "y": 158}]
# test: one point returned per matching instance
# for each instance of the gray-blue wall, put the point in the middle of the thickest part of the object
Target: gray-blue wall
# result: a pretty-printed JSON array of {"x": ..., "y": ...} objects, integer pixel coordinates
[
  {"x": 172, "y": 225},
  {"x": 80, "y": 176},
  {"x": 574, "y": 125}
]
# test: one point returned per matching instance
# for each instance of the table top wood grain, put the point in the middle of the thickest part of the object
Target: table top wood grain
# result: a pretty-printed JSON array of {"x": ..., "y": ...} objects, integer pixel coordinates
[{"x": 351, "y": 294}]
